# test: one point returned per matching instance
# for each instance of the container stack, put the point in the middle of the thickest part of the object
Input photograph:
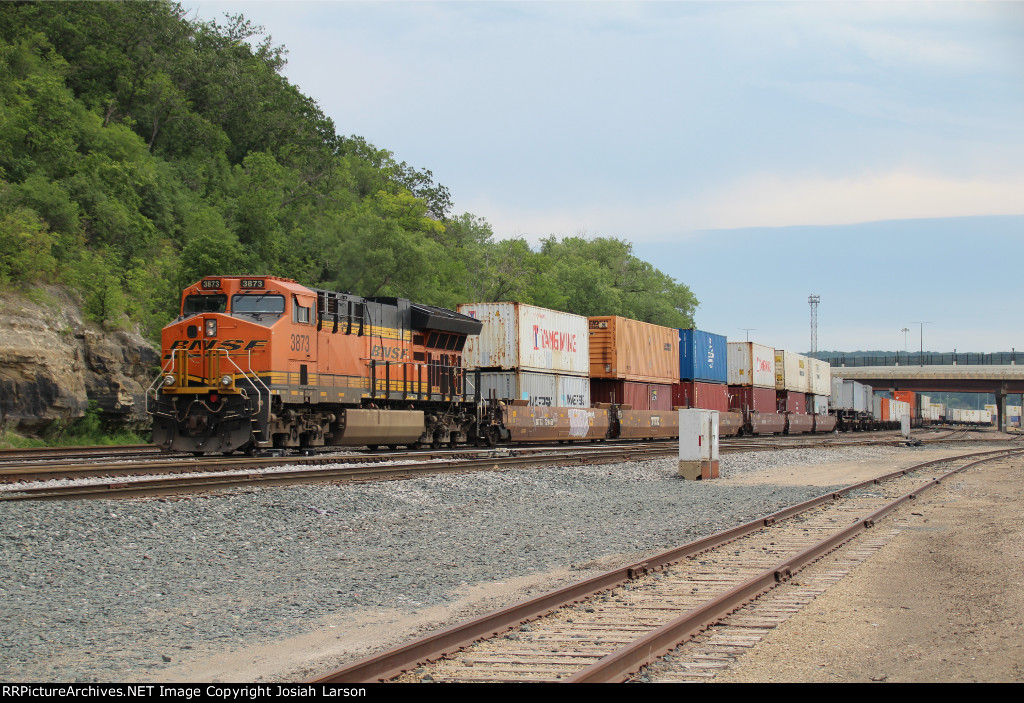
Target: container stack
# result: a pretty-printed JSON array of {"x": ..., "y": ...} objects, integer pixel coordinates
[
  {"x": 529, "y": 355},
  {"x": 792, "y": 382},
  {"x": 819, "y": 386},
  {"x": 633, "y": 363},
  {"x": 751, "y": 377},
  {"x": 703, "y": 371}
]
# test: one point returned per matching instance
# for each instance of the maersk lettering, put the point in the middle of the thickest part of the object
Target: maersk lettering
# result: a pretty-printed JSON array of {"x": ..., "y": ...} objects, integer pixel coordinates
[
  {"x": 553, "y": 340},
  {"x": 379, "y": 351}
]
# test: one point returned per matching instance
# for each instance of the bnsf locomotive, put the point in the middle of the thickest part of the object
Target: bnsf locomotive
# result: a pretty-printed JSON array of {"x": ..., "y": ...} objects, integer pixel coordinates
[{"x": 258, "y": 361}]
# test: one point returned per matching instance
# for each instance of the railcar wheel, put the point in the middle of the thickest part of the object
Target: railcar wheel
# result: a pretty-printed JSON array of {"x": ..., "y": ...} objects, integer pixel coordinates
[
  {"x": 372, "y": 447},
  {"x": 491, "y": 435},
  {"x": 435, "y": 443}
]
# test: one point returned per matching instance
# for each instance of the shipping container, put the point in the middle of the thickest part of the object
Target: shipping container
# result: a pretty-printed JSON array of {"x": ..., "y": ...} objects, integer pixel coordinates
[
  {"x": 527, "y": 338},
  {"x": 851, "y": 395},
  {"x": 791, "y": 402},
  {"x": 539, "y": 389},
  {"x": 573, "y": 391},
  {"x": 636, "y": 394},
  {"x": 760, "y": 400},
  {"x": 630, "y": 350},
  {"x": 820, "y": 381},
  {"x": 792, "y": 372},
  {"x": 817, "y": 404},
  {"x": 751, "y": 364},
  {"x": 703, "y": 357},
  {"x": 694, "y": 394},
  {"x": 535, "y": 388}
]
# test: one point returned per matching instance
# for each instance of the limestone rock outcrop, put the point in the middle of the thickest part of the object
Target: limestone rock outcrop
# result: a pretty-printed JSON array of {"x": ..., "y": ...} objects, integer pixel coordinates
[{"x": 53, "y": 362}]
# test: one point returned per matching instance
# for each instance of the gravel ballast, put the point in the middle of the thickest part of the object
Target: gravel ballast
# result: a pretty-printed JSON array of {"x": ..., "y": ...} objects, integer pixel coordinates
[{"x": 97, "y": 590}]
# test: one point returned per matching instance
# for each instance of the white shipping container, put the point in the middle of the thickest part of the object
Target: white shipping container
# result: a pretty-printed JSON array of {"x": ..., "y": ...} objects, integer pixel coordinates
[
  {"x": 751, "y": 364},
  {"x": 536, "y": 388},
  {"x": 527, "y": 338},
  {"x": 820, "y": 377},
  {"x": 819, "y": 405},
  {"x": 792, "y": 372},
  {"x": 547, "y": 389},
  {"x": 573, "y": 391}
]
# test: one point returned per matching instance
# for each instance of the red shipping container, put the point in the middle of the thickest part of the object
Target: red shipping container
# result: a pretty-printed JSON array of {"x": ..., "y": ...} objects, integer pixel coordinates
[
  {"x": 791, "y": 402},
  {"x": 641, "y": 396},
  {"x": 694, "y": 394},
  {"x": 760, "y": 400}
]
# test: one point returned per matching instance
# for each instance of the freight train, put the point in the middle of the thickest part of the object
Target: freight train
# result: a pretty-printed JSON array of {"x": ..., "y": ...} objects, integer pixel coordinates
[{"x": 260, "y": 362}]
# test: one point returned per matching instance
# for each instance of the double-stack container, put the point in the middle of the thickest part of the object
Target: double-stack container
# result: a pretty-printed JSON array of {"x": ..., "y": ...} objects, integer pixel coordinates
[
  {"x": 633, "y": 360},
  {"x": 703, "y": 371},
  {"x": 531, "y": 354},
  {"x": 751, "y": 364},
  {"x": 792, "y": 381}
]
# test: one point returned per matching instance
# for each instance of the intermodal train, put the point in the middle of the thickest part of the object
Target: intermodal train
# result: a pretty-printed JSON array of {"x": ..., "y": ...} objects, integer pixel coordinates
[{"x": 261, "y": 362}]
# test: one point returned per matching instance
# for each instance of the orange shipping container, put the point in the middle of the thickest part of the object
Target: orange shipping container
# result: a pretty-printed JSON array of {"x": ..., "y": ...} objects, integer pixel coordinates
[{"x": 631, "y": 350}]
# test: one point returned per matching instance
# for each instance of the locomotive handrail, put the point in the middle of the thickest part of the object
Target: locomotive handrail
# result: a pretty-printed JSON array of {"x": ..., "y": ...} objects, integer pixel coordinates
[
  {"x": 259, "y": 395},
  {"x": 159, "y": 378}
]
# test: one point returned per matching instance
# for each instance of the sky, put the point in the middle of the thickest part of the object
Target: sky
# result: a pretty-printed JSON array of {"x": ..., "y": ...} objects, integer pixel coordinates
[{"x": 868, "y": 153}]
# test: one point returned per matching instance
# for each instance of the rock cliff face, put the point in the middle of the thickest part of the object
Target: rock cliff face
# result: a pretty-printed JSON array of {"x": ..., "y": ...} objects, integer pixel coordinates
[{"x": 53, "y": 362}]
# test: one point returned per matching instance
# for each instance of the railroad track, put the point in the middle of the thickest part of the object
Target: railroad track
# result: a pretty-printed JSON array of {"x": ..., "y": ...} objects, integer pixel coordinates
[
  {"x": 612, "y": 626},
  {"x": 125, "y": 479}
]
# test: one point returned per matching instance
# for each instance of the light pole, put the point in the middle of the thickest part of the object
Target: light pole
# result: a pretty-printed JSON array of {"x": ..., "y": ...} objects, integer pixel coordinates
[
  {"x": 920, "y": 358},
  {"x": 904, "y": 331}
]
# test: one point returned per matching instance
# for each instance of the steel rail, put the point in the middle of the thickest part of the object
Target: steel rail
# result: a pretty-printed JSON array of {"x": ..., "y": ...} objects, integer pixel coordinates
[
  {"x": 167, "y": 465},
  {"x": 618, "y": 665}
]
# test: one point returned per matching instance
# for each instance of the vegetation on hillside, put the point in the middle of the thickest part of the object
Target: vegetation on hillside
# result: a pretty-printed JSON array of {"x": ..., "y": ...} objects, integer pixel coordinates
[{"x": 141, "y": 150}]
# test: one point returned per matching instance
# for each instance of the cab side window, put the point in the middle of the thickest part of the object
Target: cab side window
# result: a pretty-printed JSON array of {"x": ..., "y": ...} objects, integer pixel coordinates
[{"x": 302, "y": 314}]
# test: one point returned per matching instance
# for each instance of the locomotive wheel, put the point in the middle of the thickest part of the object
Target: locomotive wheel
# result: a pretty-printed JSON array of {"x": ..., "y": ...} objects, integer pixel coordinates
[{"x": 491, "y": 436}]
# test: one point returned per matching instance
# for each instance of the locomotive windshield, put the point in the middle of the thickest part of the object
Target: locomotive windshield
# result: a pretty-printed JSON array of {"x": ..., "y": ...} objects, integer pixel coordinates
[
  {"x": 195, "y": 304},
  {"x": 265, "y": 307}
]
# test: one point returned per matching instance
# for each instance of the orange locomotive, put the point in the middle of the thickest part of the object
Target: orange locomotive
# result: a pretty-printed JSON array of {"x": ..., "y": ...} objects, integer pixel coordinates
[{"x": 258, "y": 361}]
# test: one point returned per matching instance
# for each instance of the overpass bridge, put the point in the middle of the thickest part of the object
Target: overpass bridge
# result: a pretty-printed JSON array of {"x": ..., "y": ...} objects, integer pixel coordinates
[{"x": 998, "y": 379}]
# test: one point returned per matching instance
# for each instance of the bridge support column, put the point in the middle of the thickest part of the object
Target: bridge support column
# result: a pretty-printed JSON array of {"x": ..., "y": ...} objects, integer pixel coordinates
[{"x": 1001, "y": 411}]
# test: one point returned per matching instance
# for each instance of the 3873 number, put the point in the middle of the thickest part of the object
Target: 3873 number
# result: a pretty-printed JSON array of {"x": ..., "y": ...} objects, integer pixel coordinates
[{"x": 300, "y": 342}]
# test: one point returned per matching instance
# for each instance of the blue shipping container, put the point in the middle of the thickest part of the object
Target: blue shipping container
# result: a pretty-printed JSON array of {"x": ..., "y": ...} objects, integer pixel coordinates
[{"x": 702, "y": 357}]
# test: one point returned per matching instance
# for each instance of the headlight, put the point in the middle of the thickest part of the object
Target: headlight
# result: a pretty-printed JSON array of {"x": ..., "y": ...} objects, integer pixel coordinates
[
  {"x": 168, "y": 380},
  {"x": 225, "y": 380},
  {"x": 211, "y": 328}
]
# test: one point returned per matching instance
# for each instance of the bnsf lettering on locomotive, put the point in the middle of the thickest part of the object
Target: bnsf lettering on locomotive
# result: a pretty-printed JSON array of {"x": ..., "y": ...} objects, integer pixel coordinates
[
  {"x": 226, "y": 344},
  {"x": 379, "y": 351}
]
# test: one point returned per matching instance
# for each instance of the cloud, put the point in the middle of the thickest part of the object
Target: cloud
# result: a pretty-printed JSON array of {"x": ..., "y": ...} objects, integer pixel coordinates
[
  {"x": 766, "y": 201},
  {"x": 776, "y": 202}
]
